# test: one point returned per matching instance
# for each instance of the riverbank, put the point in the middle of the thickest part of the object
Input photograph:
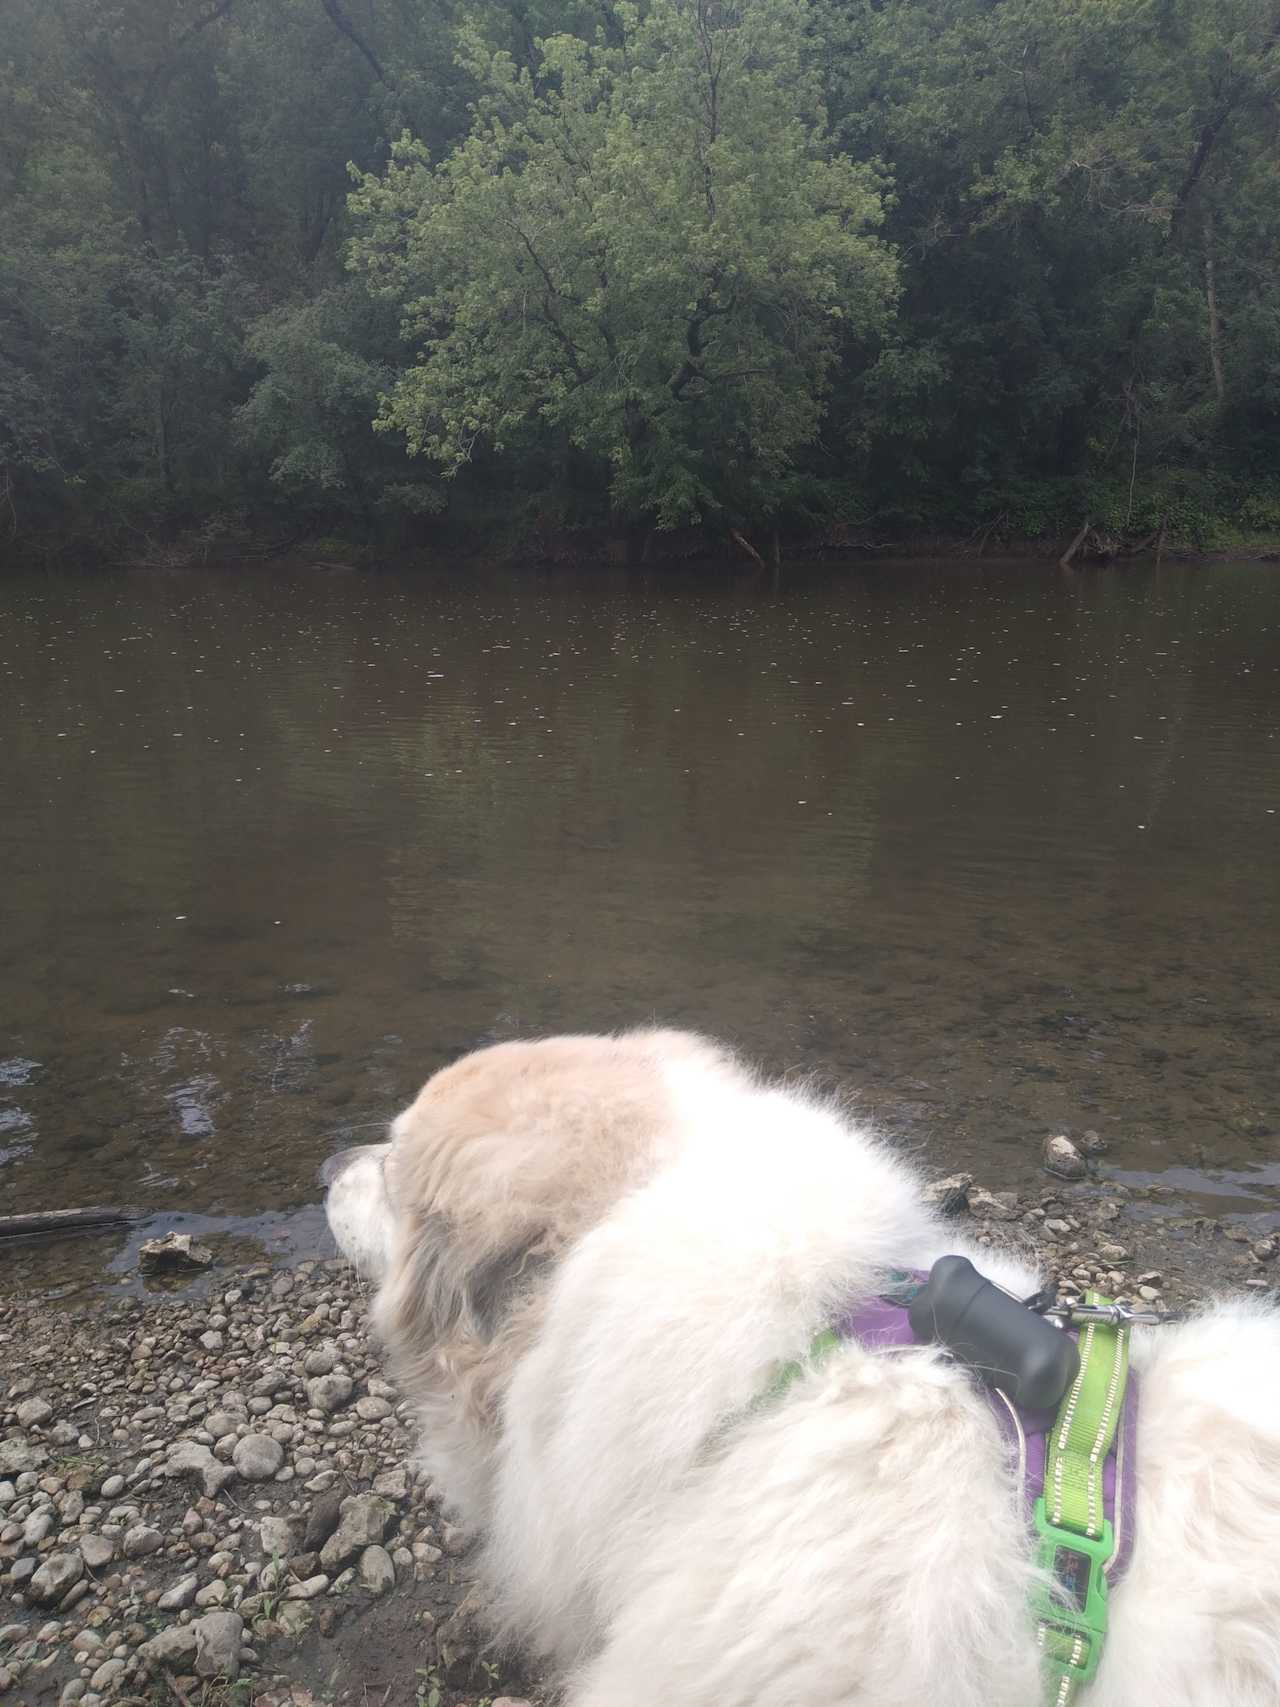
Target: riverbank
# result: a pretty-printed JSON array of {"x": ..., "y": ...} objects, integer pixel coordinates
[
  {"x": 212, "y": 545},
  {"x": 205, "y": 1494}
]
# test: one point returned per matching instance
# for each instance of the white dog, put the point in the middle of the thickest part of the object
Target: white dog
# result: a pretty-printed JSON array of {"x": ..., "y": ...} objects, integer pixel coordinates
[{"x": 594, "y": 1255}]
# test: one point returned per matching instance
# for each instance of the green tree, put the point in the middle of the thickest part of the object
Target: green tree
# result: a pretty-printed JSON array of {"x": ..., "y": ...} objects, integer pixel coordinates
[
  {"x": 647, "y": 253},
  {"x": 326, "y": 361},
  {"x": 1089, "y": 242}
]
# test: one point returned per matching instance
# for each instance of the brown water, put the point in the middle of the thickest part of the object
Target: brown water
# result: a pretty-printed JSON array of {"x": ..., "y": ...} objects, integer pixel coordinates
[{"x": 998, "y": 847}]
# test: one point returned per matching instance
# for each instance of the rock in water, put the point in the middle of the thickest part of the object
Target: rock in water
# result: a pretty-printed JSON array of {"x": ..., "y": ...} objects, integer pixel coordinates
[
  {"x": 995, "y": 1205},
  {"x": 175, "y": 1253},
  {"x": 949, "y": 1196},
  {"x": 1061, "y": 1157}
]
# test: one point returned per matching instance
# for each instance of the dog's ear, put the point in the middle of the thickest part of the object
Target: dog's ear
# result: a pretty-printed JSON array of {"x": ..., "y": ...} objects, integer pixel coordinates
[{"x": 443, "y": 1286}]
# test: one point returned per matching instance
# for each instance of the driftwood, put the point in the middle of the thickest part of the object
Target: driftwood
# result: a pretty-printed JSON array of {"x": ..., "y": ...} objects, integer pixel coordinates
[
  {"x": 745, "y": 543},
  {"x": 1064, "y": 562},
  {"x": 52, "y": 1221}
]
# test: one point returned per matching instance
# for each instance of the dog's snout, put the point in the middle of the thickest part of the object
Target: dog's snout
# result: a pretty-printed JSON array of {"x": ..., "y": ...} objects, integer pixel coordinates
[{"x": 333, "y": 1167}]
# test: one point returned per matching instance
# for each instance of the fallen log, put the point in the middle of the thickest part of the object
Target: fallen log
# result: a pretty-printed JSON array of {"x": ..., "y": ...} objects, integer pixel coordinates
[
  {"x": 1064, "y": 562},
  {"x": 47, "y": 1222}
]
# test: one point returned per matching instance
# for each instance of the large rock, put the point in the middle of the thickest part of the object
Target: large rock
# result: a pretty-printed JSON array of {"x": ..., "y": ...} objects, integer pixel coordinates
[
  {"x": 33, "y": 1412},
  {"x": 17, "y": 1455},
  {"x": 174, "y": 1647},
  {"x": 181, "y": 1594},
  {"x": 278, "y": 1537},
  {"x": 949, "y": 1196},
  {"x": 995, "y": 1205},
  {"x": 190, "y": 1458},
  {"x": 176, "y": 1252},
  {"x": 257, "y": 1457},
  {"x": 37, "y": 1527},
  {"x": 328, "y": 1393},
  {"x": 323, "y": 1519},
  {"x": 375, "y": 1571},
  {"x": 58, "y": 1573},
  {"x": 362, "y": 1522},
  {"x": 107, "y": 1676},
  {"x": 97, "y": 1551},
  {"x": 141, "y": 1541},
  {"x": 1061, "y": 1157},
  {"x": 218, "y": 1637}
]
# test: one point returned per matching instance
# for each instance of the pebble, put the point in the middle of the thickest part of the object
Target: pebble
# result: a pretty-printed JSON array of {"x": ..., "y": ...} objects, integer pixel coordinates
[
  {"x": 112, "y": 1486},
  {"x": 257, "y": 1457},
  {"x": 376, "y": 1571},
  {"x": 174, "y": 1647},
  {"x": 32, "y": 1412},
  {"x": 329, "y": 1393},
  {"x": 142, "y": 1540},
  {"x": 218, "y": 1639},
  {"x": 107, "y": 1675},
  {"x": 308, "y": 1589},
  {"x": 97, "y": 1551},
  {"x": 191, "y": 1458},
  {"x": 182, "y": 1594},
  {"x": 52, "y": 1580},
  {"x": 362, "y": 1521},
  {"x": 277, "y": 1536},
  {"x": 36, "y": 1528}
]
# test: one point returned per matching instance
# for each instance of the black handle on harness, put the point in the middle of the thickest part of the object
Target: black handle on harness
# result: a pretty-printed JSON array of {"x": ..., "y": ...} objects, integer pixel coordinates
[{"x": 1009, "y": 1346}]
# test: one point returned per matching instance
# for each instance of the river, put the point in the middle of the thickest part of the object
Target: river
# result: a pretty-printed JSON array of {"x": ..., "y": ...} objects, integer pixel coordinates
[{"x": 995, "y": 847}]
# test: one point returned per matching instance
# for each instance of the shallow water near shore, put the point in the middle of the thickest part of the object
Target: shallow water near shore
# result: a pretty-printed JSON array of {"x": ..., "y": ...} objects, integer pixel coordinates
[{"x": 996, "y": 848}]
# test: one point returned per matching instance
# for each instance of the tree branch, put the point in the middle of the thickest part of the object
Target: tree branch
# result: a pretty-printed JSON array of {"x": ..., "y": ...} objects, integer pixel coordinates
[
  {"x": 161, "y": 73},
  {"x": 344, "y": 26}
]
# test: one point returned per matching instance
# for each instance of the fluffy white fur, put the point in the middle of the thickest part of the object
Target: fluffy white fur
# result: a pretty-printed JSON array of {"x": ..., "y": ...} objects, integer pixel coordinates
[{"x": 593, "y": 1255}]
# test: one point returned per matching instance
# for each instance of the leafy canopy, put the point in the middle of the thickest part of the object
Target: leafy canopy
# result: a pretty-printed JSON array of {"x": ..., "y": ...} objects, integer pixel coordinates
[{"x": 647, "y": 250}]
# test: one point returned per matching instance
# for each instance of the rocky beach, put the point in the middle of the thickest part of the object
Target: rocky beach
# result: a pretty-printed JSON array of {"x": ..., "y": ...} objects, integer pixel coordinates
[{"x": 206, "y": 1495}]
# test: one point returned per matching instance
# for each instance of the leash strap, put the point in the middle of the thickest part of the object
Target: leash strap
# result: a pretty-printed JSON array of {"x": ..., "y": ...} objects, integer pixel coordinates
[{"x": 1076, "y": 1541}]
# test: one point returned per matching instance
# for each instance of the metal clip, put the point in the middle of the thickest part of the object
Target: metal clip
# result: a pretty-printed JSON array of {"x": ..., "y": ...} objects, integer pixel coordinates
[{"x": 1116, "y": 1315}]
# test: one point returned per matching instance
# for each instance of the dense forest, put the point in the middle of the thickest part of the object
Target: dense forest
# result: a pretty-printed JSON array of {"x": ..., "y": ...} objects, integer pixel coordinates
[{"x": 430, "y": 271}]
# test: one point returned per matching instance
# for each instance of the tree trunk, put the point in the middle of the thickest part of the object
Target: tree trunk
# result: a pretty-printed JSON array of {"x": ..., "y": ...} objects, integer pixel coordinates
[{"x": 1211, "y": 301}]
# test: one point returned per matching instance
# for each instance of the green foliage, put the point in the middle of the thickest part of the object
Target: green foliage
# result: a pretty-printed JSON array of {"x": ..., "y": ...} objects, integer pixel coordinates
[
  {"x": 325, "y": 363},
  {"x": 645, "y": 254},
  {"x": 944, "y": 265}
]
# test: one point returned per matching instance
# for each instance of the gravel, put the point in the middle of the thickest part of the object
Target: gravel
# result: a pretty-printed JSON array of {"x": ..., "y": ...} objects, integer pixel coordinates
[{"x": 218, "y": 1483}]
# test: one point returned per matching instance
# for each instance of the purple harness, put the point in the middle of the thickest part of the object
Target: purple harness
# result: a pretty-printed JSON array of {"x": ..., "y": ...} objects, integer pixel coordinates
[{"x": 881, "y": 1324}]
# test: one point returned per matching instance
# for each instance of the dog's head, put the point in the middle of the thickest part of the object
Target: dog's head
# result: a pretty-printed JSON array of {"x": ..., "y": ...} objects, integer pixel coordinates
[{"x": 503, "y": 1160}]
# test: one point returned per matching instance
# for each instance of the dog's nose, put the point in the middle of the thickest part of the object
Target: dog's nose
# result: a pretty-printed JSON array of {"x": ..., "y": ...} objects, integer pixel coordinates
[{"x": 333, "y": 1167}]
